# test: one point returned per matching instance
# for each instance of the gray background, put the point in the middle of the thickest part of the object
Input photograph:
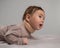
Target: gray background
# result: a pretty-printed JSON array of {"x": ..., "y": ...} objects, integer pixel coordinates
[{"x": 11, "y": 12}]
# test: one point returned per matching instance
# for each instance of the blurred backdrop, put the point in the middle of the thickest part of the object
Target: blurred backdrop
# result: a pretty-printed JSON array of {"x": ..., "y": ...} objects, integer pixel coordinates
[{"x": 11, "y": 12}]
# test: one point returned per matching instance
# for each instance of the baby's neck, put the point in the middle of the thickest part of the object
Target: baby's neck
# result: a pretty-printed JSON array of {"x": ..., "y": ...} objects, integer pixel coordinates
[{"x": 28, "y": 27}]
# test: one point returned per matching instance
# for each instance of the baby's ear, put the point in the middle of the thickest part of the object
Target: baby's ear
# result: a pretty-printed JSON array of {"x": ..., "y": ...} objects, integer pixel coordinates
[{"x": 28, "y": 17}]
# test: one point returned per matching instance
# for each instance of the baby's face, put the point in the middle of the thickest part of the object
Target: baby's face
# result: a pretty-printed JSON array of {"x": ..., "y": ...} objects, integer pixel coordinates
[{"x": 37, "y": 19}]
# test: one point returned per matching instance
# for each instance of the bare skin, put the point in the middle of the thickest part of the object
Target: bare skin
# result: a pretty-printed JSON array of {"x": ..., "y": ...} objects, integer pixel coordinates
[
  {"x": 25, "y": 41},
  {"x": 36, "y": 20}
]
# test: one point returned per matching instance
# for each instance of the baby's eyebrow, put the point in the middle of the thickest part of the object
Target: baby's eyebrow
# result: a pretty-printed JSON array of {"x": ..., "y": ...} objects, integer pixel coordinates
[{"x": 42, "y": 15}]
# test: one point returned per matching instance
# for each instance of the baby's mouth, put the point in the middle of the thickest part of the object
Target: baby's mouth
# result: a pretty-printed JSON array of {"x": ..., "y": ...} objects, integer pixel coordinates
[{"x": 40, "y": 25}]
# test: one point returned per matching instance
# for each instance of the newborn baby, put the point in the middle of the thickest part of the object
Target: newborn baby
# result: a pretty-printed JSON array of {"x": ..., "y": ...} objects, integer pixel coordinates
[{"x": 20, "y": 34}]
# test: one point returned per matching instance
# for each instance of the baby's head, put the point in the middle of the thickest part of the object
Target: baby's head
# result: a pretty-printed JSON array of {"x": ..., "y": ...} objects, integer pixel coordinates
[{"x": 35, "y": 16}]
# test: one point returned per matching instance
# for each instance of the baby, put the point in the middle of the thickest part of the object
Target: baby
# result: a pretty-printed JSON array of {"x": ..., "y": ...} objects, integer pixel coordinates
[{"x": 19, "y": 34}]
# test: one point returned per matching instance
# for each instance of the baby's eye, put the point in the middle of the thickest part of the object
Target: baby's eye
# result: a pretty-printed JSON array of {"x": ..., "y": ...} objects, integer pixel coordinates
[{"x": 40, "y": 16}]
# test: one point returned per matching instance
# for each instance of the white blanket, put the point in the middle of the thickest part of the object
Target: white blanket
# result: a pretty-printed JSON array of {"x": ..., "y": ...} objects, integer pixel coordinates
[{"x": 44, "y": 41}]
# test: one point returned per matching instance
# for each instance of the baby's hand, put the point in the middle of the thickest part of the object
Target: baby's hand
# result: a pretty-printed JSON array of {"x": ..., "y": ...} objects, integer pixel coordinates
[{"x": 25, "y": 41}]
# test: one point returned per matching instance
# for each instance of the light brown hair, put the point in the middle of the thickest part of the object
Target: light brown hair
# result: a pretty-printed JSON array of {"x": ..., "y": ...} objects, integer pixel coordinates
[{"x": 30, "y": 10}]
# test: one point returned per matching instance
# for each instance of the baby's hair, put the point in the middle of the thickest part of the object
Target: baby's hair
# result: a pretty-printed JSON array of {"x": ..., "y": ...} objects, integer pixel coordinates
[{"x": 30, "y": 10}]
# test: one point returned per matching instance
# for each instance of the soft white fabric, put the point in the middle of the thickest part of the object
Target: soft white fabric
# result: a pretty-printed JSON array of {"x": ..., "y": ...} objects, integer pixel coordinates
[{"x": 44, "y": 41}]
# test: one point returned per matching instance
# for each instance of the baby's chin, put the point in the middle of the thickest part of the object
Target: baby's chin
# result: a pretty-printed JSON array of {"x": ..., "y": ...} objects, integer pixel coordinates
[{"x": 39, "y": 28}]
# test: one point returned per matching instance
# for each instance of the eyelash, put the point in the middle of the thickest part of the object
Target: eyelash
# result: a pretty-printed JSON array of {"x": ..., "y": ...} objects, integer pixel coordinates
[{"x": 41, "y": 17}]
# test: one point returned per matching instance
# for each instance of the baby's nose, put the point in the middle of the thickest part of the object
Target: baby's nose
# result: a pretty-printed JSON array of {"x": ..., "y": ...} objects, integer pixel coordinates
[{"x": 42, "y": 21}]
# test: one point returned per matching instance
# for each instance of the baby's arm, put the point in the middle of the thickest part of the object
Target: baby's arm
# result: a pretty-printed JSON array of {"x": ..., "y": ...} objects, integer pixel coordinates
[
  {"x": 12, "y": 39},
  {"x": 14, "y": 36}
]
